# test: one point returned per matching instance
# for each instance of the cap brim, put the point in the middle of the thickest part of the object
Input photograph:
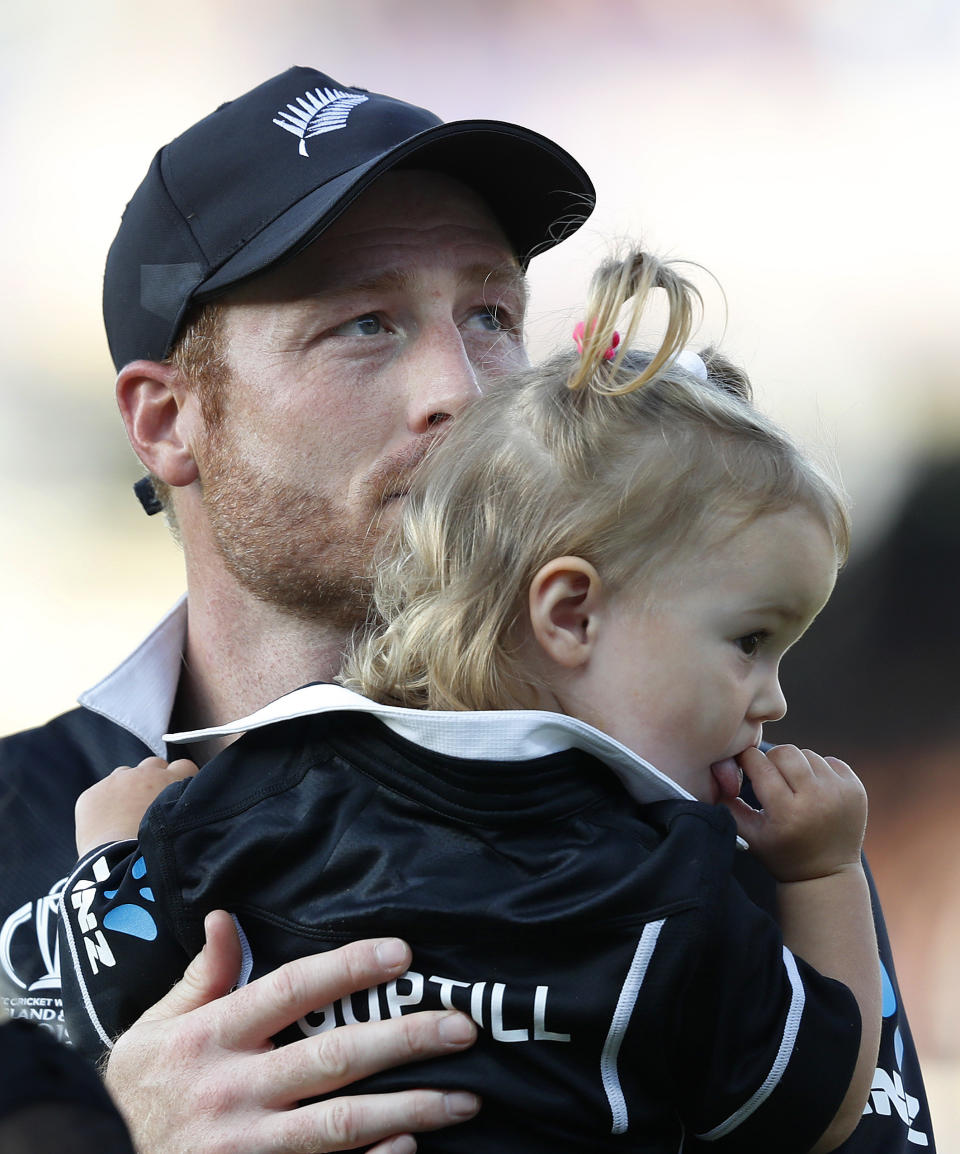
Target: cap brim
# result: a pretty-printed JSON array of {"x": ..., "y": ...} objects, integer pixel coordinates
[{"x": 537, "y": 191}]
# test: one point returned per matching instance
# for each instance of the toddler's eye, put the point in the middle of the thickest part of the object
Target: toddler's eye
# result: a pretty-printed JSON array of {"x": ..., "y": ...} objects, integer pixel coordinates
[{"x": 751, "y": 642}]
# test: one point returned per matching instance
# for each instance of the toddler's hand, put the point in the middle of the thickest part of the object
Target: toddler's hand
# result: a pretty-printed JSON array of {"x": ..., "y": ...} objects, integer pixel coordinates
[
  {"x": 111, "y": 810},
  {"x": 813, "y": 815}
]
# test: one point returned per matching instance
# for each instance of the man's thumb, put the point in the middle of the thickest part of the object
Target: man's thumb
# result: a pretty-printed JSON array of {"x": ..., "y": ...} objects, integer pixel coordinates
[{"x": 211, "y": 974}]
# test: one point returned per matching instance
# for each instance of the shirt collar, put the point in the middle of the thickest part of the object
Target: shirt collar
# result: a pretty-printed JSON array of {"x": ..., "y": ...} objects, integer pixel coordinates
[
  {"x": 503, "y": 735},
  {"x": 139, "y": 694}
]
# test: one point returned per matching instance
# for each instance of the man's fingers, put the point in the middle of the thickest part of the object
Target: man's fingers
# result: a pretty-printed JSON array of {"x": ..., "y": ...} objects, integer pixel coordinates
[
  {"x": 397, "y": 1144},
  {"x": 333, "y": 1059},
  {"x": 279, "y": 998},
  {"x": 276, "y": 1080},
  {"x": 211, "y": 974},
  {"x": 345, "y": 1123}
]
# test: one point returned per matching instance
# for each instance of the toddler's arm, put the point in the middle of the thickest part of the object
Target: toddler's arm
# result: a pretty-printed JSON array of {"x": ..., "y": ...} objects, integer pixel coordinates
[
  {"x": 118, "y": 952},
  {"x": 809, "y": 834},
  {"x": 112, "y": 809}
]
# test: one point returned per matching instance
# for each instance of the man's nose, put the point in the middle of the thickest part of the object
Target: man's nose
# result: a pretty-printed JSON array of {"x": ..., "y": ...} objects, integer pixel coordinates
[{"x": 442, "y": 380}]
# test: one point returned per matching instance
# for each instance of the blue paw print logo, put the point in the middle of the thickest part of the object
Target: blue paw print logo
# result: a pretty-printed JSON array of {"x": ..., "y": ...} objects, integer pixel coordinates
[
  {"x": 131, "y": 919},
  {"x": 889, "y": 1098},
  {"x": 889, "y": 1008}
]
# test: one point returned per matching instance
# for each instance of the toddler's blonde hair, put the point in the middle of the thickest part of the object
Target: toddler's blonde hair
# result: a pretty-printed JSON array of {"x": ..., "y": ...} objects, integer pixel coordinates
[{"x": 632, "y": 463}]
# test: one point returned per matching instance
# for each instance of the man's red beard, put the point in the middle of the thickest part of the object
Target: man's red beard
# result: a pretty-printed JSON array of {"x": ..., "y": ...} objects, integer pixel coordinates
[{"x": 290, "y": 546}]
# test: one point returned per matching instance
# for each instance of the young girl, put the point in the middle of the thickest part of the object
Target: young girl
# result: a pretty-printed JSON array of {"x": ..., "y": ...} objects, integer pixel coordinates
[{"x": 599, "y": 568}]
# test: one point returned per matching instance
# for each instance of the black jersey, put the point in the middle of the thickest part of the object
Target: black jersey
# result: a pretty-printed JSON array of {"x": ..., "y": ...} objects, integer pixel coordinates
[
  {"x": 629, "y": 995},
  {"x": 122, "y": 720}
]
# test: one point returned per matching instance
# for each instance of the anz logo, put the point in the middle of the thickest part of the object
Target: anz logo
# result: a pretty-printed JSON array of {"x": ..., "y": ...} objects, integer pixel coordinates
[
  {"x": 887, "y": 1095},
  {"x": 127, "y": 918}
]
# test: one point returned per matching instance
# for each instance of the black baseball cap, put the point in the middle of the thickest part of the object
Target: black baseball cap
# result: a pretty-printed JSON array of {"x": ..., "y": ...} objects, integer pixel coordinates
[{"x": 260, "y": 178}]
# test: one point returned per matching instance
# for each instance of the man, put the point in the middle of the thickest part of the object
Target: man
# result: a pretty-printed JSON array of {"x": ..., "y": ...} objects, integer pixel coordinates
[
  {"x": 306, "y": 287},
  {"x": 371, "y": 263}
]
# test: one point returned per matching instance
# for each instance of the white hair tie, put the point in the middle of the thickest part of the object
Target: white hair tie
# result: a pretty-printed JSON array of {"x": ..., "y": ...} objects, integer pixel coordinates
[{"x": 690, "y": 361}]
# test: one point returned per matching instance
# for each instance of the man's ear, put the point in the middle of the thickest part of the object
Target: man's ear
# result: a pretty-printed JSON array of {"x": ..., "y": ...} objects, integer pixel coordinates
[
  {"x": 566, "y": 601},
  {"x": 153, "y": 402}
]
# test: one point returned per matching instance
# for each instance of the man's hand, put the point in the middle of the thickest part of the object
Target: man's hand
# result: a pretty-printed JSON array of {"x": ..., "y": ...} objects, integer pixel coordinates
[
  {"x": 112, "y": 808},
  {"x": 198, "y": 1073}
]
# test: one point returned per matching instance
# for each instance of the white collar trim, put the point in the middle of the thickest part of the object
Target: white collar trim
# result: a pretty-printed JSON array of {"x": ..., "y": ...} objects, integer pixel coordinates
[
  {"x": 139, "y": 694},
  {"x": 501, "y": 735}
]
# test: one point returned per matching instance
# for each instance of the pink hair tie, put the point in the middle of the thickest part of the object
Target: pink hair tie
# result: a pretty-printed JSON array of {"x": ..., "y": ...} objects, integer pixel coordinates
[{"x": 579, "y": 332}]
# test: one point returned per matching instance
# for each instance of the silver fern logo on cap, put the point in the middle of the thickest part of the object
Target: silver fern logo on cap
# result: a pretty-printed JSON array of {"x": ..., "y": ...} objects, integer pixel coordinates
[{"x": 319, "y": 111}]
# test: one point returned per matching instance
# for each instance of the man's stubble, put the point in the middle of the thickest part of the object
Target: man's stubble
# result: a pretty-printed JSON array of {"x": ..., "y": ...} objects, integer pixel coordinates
[{"x": 289, "y": 545}]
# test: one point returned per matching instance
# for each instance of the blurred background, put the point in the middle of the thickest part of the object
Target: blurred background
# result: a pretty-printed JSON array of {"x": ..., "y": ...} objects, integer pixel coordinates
[{"x": 804, "y": 151}]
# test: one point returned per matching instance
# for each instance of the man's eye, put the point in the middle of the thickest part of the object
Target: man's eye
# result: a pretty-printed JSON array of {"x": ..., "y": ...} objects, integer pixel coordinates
[
  {"x": 750, "y": 642},
  {"x": 490, "y": 320},
  {"x": 368, "y": 325}
]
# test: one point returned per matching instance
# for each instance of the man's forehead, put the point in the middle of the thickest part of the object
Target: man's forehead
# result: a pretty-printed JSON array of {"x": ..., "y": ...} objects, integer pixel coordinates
[{"x": 506, "y": 276}]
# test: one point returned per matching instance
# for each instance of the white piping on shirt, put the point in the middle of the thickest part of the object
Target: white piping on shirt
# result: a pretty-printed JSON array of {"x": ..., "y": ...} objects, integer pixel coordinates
[
  {"x": 621, "y": 1020},
  {"x": 65, "y": 918},
  {"x": 787, "y": 1043},
  {"x": 246, "y": 954}
]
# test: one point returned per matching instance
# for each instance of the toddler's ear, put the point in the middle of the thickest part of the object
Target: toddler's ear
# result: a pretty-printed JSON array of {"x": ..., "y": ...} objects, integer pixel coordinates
[{"x": 566, "y": 600}]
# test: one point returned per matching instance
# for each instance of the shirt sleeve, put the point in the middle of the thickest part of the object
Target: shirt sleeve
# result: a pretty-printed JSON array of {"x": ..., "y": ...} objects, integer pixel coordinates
[
  {"x": 896, "y": 1118},
  {"x": 118, "y": 955},
  {"x": 768, "y": 1043}
]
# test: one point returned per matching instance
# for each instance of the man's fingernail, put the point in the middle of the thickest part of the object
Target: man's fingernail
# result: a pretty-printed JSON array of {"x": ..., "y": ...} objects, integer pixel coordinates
[
  {"x": 456, "y": 1029},
  {"x": 391, "y": 953},
  {"x": 460, "y": 1104}
]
